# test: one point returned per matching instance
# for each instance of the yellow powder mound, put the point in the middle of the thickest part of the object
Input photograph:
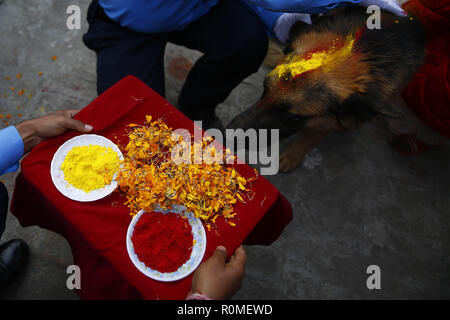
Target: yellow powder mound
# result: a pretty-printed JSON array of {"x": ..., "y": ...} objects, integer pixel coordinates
[{"x": 90, "y": 167}]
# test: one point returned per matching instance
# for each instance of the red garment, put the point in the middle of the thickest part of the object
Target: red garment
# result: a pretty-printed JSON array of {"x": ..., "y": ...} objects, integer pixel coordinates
[
  {"x": 96, "y": 231},
  {"x": 428, "y": 95}
]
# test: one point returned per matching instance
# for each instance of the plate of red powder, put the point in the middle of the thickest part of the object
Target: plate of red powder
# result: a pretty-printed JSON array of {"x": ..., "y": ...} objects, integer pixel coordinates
[{"x": 166, "y": 245}]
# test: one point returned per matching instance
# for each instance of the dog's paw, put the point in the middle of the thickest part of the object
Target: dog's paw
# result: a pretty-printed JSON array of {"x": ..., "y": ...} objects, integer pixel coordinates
[{"x": 289, "y": 161}]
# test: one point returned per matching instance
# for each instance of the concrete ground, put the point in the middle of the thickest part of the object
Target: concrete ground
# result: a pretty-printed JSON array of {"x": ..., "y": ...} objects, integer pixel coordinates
[{"x": 356, "y": 202}]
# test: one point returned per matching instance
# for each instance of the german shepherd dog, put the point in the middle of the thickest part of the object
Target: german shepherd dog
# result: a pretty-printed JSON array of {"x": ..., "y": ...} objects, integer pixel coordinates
[{"x": 336, "y": 75}]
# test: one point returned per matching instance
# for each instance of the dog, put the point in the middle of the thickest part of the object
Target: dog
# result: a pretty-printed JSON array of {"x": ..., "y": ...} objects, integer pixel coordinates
[{"x": 336, "y": 75}]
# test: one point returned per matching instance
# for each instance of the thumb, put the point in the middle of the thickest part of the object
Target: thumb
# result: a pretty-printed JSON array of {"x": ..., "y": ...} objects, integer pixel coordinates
[
  {"x": 77, "y": 125},
  {"x": 220, "y": 255},
  {"x": 239, "y": 258}
]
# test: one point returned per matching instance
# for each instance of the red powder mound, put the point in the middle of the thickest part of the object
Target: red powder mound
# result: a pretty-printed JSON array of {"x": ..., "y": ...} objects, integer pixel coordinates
[{"x": 163, "y": 242}]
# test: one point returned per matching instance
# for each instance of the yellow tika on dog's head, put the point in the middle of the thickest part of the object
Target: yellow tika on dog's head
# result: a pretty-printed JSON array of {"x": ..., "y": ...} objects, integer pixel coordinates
[{"x": 295, "y": 64}]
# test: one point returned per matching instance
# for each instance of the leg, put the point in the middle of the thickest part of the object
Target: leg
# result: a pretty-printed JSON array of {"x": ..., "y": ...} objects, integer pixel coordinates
[
  {"x": 3, "y": 207},
  {"x": 14, "y": 253},
  {"x": 302, "y": 143},
  {"x": 122, "y": 52},
  {"x": 411, "y": 136},
  {"x": 408, "y": 124},
  {"x": 234, "y": 44}
]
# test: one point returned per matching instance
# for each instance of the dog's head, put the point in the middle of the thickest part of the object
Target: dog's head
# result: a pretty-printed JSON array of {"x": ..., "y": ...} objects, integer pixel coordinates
[{"x": 323, "y": 83}]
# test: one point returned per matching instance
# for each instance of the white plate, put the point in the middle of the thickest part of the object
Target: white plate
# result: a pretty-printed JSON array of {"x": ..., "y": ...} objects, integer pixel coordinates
[
  {"x": 58, "y": 175},
  {"x": 189, "y": 266}
]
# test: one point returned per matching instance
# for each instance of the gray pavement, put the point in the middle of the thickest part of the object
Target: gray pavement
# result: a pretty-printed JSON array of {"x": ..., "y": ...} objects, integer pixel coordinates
[{"x": 356, "y": 202}]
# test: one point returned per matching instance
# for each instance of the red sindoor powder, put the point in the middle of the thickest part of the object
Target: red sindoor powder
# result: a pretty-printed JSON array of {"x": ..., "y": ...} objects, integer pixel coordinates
[{"x": 163, "y": 242}]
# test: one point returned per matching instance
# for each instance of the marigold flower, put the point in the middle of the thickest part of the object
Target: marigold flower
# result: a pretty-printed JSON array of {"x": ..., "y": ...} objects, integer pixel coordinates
[{"x": 150, "y": 177}]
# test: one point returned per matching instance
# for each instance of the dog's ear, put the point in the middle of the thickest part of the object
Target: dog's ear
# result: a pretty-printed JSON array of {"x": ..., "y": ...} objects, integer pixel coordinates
[
  {"x": 354, "y": 110},
  {"x": 299, "y": 28},
  {"x": 296, "y": 31}
]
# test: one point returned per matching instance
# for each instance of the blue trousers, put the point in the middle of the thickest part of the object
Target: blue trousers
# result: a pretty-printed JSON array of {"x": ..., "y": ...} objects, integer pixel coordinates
[
  {"x": 3, "y": 207},
  {"x": 230, "y": 36}
]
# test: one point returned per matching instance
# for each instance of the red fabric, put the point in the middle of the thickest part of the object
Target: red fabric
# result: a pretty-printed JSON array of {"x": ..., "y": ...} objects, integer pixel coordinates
[
  {"x": 428, "y": 95},
  {"x": 96, "y": 231}
]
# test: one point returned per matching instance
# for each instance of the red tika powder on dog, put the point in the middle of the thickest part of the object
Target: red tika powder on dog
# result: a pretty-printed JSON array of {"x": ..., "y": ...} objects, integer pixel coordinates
[{"x": 163, "y": 242}]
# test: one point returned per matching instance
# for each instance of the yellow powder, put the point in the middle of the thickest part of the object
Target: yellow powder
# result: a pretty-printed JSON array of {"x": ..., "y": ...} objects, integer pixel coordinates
[
  {"x": 90, "y": 167},
  {"x": 293, "y": 65}
]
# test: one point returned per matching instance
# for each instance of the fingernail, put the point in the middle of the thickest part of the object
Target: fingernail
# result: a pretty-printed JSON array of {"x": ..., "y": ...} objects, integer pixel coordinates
[
  {"x": 405, "y": 13},
  {"x": 221, "y": 248},
  {"x": 88, "y": 127}
]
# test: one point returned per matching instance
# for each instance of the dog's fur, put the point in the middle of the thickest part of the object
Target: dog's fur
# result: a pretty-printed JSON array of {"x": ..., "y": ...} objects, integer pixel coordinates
[{"x": 366, "y": 84}]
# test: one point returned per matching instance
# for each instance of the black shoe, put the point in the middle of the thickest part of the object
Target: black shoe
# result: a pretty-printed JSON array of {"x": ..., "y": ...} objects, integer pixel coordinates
[{"x": 13, "y": 259}]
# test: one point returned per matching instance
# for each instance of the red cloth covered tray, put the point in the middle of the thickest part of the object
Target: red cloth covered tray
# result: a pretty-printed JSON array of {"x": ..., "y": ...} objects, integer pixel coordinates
[{"x": 96, "y": 231}]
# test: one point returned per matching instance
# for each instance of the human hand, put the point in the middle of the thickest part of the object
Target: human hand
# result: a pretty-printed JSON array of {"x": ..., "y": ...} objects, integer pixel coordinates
[
  {"x": 286, "y": 21},
  {"x": 388, "y": 5},
  {"x": 218, "y": 279},
  {"x": 35, "y": 131}
]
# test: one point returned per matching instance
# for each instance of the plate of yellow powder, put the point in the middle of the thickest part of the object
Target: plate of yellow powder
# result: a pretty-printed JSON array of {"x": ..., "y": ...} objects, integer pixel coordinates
[{"x": 85, "y": 167}]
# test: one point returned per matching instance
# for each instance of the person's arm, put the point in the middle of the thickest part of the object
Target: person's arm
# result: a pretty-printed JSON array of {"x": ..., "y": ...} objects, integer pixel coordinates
[
  {"x": 11, "y": 146},
  {"x": 17, "y": 140},
  {"x": 35, "y": 131},
  {"x": 278, "y": 16},
  {"x": 278, "y": 24},
  {"x": 301, "y": 6}
]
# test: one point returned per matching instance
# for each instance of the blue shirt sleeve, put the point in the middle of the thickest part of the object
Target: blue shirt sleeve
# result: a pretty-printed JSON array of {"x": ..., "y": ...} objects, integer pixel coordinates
[
  {"x": 11, "y": 149},
  {"x": 301, "y": 6},
  {"x": 270, "y": 10}
]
